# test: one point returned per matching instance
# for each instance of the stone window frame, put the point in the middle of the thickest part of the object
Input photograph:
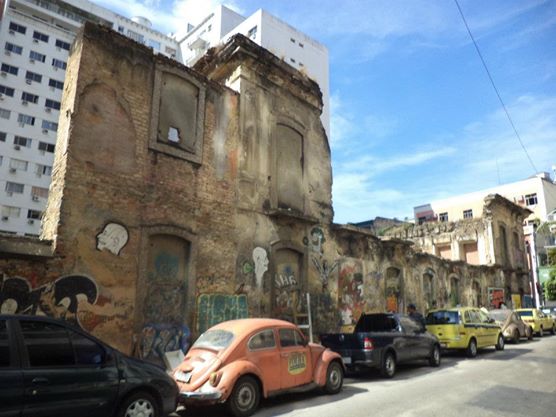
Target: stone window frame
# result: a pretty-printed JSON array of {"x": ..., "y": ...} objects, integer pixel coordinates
[
  {"x": 300, "y": 128},
  {"x": 176, "y": 151}
]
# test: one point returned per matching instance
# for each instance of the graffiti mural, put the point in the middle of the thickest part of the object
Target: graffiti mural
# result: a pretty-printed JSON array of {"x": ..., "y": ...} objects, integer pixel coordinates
[
  {"x": 286, "y": 286},
  {"x": 260, "y": 261},
  {"x": 325, "y": 270},
  {"x": 157, "y": 339},
  {"x": 113, "y": 238},
  {"x": 350, "y": 292},
  {"x": 393, "y": 290},
  {"x": 58, "y": 299},
  {"x": 216, "y": 308}
]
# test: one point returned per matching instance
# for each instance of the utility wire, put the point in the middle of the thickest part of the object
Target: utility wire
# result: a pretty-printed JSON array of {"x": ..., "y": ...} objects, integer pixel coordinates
[{"x": 496, "y": 89}]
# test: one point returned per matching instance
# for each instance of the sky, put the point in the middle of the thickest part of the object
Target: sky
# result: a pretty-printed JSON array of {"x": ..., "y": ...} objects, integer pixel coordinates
[{"x": 414, "y": 116}]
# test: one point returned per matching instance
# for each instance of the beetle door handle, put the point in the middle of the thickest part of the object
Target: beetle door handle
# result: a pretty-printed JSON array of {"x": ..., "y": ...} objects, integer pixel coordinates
[{"x": 40, "y": 381}]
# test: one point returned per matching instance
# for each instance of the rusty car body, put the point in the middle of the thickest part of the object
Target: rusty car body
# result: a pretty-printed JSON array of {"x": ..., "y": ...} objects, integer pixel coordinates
[{"x": 237, "y": 362}]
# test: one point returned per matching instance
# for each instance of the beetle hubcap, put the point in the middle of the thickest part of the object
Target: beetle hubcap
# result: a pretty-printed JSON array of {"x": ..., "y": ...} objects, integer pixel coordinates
[
  {"x": 245, "y": 397},
  {"x": 140, "y": 408}
]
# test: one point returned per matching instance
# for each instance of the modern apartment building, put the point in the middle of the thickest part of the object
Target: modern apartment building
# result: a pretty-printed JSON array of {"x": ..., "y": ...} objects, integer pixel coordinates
[
  {"x": 537, "y": 193},
  {"x": 292, "y": 46},
  {"x": 35, "y": 38}
]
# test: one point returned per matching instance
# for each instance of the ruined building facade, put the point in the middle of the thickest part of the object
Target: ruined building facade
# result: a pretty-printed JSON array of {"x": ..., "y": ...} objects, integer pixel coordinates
[{"x": 184, "y": 197}]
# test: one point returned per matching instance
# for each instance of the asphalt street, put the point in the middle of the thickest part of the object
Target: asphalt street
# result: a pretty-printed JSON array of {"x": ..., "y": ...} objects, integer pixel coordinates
[{"x": 519, "y": 381}]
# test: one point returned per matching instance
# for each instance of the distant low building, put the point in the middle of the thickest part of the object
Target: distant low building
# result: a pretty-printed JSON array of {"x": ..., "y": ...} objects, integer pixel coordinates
[{"x": 379, "y": 225}]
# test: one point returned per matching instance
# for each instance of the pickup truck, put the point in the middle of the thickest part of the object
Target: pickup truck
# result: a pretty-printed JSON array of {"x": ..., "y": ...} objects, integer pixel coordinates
[{"x": 382, "y": 341}]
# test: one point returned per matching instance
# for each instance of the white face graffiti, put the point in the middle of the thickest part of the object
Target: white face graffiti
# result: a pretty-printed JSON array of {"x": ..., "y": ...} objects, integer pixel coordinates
[
  {"x": 261, "y": 264},
  {"x": 113, "y": 238}
]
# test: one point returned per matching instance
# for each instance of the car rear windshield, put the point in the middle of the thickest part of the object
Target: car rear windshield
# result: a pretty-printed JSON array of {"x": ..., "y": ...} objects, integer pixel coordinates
[
  {"x": 214, "y": 340},
  {"x": 500, "y": 315},
  {"x": 376, "y": 323},
  {"x": 525, "y": 313},
  {"x": 443, "y": 317}
]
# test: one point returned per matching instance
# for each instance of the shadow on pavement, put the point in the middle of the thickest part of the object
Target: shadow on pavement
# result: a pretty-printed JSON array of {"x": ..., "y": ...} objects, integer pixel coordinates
[{"x": 281, "y": 404}]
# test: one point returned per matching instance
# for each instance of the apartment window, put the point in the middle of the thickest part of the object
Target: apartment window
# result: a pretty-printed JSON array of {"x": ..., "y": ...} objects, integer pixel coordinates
[
  {"x": 18, "y": 28},
  {"x": 467, "y": 214},
  {"x": 292, "y": 40},
  {"x": 301, "y": 45},
  {"x": 16, "y": 49},
  {"x": 10, "y": 69},
  {"x": 49, "y": 125},
  {"x": 43, "y": 170},
  {"x": 443, "y": 217},
  {"x": 121, "y": 29},
  {"x": 170, "y": 51},
  {"x": 7, "y": 91},
  {"x": 34, "y": 214},
  {"x": 56, "y": 84},
  {"x": 25, "y": 119},
  {"x": 56, "y": 63},
  {"x": 46, "y": 147},
  {"x": 13, "y": 187},
  {"x": 2, "y": 136},
  {"x": 21, "y": 141},
  {"x": 52, "y": 104},
  {"x": 531, "y": 199},
  {"x": 33, "y": 76},
  {"x": 39, "y": 192},
  {"x": 252, "y": 33},
  {"x": 292, "y": 60},
  {"x": 18, "y": 164},
  {"x": 40, "y": 36},
  {"x": 9, "y": 211},
  {"x": 135, "y": 36},
  {"x": 37, "y": 56},
  {"x": 154, "y": 44},
  {"x": 29, "y": 97},
  {"x": 62, "y": 45},
  {"x": 5, "y": 114}
]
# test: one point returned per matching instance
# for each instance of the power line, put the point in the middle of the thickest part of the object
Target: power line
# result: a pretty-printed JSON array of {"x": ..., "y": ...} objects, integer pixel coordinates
[{"x": 496, "y": 89}]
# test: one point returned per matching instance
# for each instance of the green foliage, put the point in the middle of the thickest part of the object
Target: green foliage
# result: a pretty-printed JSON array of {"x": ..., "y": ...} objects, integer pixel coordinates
[
  {"x": 551, "y": 252},
  {"x": 550, "y": 286}
]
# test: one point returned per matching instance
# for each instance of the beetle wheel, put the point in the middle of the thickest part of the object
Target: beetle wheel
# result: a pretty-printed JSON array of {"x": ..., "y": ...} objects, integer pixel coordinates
[
  {"x": 334, "y": 378},
  {"x": 245, "y": 397}
]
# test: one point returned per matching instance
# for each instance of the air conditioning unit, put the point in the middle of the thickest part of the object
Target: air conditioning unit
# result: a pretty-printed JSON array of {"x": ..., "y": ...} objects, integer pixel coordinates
[
  {"x": 13, "y": 170},
  {"x": 52, "y": 88},
  {"x": 35, "y": 198},
  {"x": 35, "y": 41},
  {"x": 17, "y": 147},
  {"x": 28, "y": 81},
  {"x": 47, "y": 109},
  {"x": 38, "y": 174},
  {"x": 1, "y": 96},
  {"x": 21, "y": 124},
  {"x": 30, "y": 221},
  {"x": 5, "y": 218},
  {"x": 12, "y": 32},
  {"x": 45, "y": 131},
  {"x": 3, "y": 73},
  {"x": 7, "y": 52},
  {"x": 31, "y": 60},
  {"x": 9, "y": 193},
  {"x": 55, "y": 68},
  {"x": 24, "y": 102}
]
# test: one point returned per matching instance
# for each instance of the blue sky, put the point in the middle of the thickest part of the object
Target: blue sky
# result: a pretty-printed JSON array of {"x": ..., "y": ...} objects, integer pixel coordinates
[{"x": 414, "y": 116}]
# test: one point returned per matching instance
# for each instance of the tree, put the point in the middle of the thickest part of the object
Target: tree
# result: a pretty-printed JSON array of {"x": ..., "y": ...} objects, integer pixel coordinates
[{"x": 550, "y": 286}]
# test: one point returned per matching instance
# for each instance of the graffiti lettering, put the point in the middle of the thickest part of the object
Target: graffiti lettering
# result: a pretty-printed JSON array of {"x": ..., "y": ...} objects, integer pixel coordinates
[{"x": 216, "y": 308}]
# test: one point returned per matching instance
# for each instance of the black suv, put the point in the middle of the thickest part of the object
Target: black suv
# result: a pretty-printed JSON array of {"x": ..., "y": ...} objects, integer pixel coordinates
[{"x": 49, "y": 368}]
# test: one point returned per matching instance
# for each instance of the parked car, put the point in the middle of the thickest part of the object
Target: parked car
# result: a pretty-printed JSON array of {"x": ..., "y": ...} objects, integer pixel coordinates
[
  {"x": 383, "y": 340},
  {"x": 549, "y": 311},
  {"x": 239, "y": 361},
  {"x": 50, "y": 368},
  {"x": 464, "y": 328},
  {"x": 513, "y": 328},
  {"x": 538, "y": 321}
]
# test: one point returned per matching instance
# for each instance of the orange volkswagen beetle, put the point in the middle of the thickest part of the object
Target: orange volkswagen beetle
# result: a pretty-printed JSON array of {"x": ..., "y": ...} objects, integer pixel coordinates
[{"x": 236, "y": 362}]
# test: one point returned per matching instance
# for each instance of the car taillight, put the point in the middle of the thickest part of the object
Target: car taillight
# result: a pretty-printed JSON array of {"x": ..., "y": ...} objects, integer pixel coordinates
[{"x": 367, "y": 344}]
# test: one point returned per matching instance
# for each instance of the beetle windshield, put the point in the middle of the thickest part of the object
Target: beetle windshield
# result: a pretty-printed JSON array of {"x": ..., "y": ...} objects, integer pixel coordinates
[
  {"x": 500, "y": 315},
  {"x": 214, "y": 340}
]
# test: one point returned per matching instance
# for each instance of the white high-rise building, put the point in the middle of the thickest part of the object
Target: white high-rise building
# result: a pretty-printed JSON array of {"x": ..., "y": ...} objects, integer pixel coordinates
[
  {"x": 35, "y": 37},
  {"x": 284, "y": 41}
]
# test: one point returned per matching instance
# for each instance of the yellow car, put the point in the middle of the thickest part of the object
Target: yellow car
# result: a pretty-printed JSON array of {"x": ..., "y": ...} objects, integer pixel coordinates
[
  {"x": 537, "y": 320},
  {"x": 464, "y": 328}
]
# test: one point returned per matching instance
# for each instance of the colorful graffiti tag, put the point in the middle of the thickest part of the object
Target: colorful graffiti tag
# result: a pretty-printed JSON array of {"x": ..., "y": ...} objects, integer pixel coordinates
[
  {"x": 216, "y": 308},
  {"x": 350, "y": 292},
  {"x": 58, "y": 299},
  {"x": 157, "y": 339}
]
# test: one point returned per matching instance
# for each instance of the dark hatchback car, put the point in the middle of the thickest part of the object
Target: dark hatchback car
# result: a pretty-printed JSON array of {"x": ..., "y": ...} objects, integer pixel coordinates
[{"x": 49, "y": 368}]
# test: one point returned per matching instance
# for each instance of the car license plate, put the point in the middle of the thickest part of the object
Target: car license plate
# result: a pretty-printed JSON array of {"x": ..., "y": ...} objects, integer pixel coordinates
[
  {"x": 347, "y": 361},
  {"x": 183, "y": 377}
]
